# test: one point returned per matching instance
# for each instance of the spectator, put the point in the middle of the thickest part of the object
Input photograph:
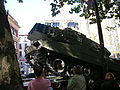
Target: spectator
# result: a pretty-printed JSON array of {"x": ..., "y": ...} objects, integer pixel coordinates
[
  {"x": 110, "y": 82},
  {"x": 77, "y": 82},
  {"x": 40, "y": 83}
]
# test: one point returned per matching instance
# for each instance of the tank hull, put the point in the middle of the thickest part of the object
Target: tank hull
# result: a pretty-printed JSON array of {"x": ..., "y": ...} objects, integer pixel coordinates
[{"x": 51, "y": 44}]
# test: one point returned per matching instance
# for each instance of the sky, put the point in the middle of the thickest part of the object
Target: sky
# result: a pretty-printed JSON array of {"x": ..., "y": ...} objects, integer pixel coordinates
[
  {"x": 32, "y": 11},
  {"x": 29, "y": 12}
]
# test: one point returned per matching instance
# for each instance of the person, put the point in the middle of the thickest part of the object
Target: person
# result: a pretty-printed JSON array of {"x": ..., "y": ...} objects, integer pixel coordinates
[
  {"x": 109, "y": 82},
  {"x": 39, "y": 83},
  {"x": 77, "y": 82}
]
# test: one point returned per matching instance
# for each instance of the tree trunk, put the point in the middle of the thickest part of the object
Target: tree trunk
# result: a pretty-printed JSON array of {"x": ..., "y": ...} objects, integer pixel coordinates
[{"x": 10, "y": 78}]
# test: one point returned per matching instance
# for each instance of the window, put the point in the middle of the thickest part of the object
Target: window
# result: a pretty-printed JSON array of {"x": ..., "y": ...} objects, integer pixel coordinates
[
  {"x": 48, "y": 24},
  {"x": 25, "y": 45},
  {"x": 55, "y": 24},
  {"x": 15, "y": 44},
  {"x": 15, "y": 33},
  {"x": 21, "y": 63},
  {"x": 12, "y": 30},
  {"x": 20, "y": 46},
  {"x": 20, "y": 54},
  {"x": 72, "y": 24}
]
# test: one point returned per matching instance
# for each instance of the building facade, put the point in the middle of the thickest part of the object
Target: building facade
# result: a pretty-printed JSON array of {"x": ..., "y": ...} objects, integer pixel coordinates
[
  {"x": 23, "y": 43},
  {"x": 14, "y": 31},
  {"x": 74, "y": 24},
  {"x": 20, "y": 41}
]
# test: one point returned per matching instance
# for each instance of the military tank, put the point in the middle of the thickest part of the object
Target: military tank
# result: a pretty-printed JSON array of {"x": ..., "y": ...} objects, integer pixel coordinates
[{"x": 58, "y": 50}]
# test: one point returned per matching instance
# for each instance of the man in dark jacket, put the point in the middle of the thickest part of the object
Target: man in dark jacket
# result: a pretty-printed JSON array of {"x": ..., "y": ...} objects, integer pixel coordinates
[{"x": 109, "y": 83}]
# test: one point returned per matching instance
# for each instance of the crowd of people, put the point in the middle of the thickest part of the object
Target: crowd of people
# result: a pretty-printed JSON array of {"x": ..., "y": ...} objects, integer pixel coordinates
[{"x": 76, "y": 82}]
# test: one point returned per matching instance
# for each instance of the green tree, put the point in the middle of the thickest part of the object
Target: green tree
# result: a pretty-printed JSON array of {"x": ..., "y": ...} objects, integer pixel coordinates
[
  {"x": 9, "y": 69},
  {"x": 106, "y": 8}
]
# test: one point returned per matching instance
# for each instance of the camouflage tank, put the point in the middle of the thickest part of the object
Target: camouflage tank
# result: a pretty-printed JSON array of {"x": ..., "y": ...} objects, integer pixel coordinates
[{"x": 59, "y": 50}]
